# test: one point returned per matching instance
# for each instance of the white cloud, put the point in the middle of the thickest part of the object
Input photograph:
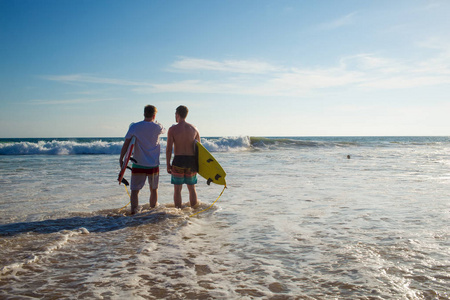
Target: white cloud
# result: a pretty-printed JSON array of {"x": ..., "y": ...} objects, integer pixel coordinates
[
  {"x": 366, "y": 71},
  {"x": 384, "y": 73},
  {"x": 83, "y": 78},
  {"x": 185, "y": 86},
  {"x": 70, "y": 101},
  {"x": 232, "y": 66},
  {"x": 367, "y": 62},
  {"x": 439, "y": 64},
  {"x": 337, "y": 23}
]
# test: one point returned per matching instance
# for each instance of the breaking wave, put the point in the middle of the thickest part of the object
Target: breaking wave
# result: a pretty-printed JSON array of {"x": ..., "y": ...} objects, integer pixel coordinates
[
  {"x": 112, "y": 146},
  {"x": 60, "y": 147}
]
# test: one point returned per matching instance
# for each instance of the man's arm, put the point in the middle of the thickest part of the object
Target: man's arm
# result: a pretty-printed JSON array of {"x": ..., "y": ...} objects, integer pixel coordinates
[
  {"x": 197, "y": 137},
  {"x": 123, "y": 151},
  {"x": 169, "y": 150},
  {"x": 163, "y": 130}
]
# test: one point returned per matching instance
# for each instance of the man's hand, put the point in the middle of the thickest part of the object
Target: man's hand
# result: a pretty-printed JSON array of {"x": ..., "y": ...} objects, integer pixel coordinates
[{"x": 169, "y": 169}]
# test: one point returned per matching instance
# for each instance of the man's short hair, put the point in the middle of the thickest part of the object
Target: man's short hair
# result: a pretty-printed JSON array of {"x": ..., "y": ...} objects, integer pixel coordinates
[
  {"x": 182, "y": 111},
  {"x": 150, "y": 111}
]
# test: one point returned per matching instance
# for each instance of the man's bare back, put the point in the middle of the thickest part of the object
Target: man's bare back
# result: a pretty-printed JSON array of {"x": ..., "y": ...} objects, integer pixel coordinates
[{"x": 183, "y": 136}]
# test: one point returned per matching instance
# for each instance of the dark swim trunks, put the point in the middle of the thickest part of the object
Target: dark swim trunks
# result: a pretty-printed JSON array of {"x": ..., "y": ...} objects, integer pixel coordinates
[{"x": 184, "y": 170}]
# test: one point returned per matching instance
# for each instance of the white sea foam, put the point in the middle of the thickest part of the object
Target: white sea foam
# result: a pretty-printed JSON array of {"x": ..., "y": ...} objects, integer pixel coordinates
[
  {"x": 60, "y": 240},
  {"x": 111, "y": 146},
  {"x": 56, "y": 147},
  {"x": 85, "y": 146},
  {"x": 227, "y": 144}
]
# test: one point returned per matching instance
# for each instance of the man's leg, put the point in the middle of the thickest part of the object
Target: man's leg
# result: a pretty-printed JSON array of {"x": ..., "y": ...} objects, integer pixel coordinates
[
  {"x": 177, "y": 195},
  {"x": 134, "y": 201},
  {"x": 137, "y": 183},
  {"x": 192, "y": 195},
  {"x": 153, "y": 197},
  {"x": 153, "y": 181}
]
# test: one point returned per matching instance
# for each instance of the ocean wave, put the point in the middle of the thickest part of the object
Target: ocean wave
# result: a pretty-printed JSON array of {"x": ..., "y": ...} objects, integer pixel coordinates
[
  {"x": 110, "y": 146},
  {"x": 283, "y": 142},
  {"x": 226, "y": 144},
  {"x": 345, "y": 142},
  {"x": 58, "y": 147}
]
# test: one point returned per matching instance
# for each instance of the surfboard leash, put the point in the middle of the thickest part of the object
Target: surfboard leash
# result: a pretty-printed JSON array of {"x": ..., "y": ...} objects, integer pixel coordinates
[
  {"x": 210, "y": 205},
  {"x": 128, "y": 196}
]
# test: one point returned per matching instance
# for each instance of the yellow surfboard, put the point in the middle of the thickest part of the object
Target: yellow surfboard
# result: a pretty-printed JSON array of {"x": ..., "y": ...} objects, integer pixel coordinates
[{"x": 209, "y": 168}]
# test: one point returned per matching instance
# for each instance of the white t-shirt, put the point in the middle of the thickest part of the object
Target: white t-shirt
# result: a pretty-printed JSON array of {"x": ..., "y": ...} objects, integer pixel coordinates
[{"x": 147, "y": 147}]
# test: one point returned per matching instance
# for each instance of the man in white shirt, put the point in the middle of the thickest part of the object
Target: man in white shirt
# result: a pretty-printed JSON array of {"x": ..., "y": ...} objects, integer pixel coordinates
[{"x": 146, "y": 155}]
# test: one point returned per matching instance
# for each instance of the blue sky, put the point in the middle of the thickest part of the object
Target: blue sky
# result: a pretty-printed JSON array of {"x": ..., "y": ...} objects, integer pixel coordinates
[{"x": 83, "y": 68}]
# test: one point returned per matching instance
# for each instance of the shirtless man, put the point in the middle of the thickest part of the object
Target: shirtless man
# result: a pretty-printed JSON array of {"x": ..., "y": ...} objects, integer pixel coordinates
[{"x": 181, "y": 137}]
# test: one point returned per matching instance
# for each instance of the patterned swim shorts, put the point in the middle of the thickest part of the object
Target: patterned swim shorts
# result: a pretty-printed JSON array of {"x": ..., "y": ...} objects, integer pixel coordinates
[{"x": 184, "y": 170}]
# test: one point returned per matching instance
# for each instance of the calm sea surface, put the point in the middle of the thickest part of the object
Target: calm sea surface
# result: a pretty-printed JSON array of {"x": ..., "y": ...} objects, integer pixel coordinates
[{"x": 299, "y": 220}]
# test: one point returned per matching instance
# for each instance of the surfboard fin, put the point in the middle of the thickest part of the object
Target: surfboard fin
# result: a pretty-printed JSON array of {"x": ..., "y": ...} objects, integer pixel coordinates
[
  {"x": 124, "y": 181},
  {"x": 208, "y": 182},
  {"x": 133, "y": 160}
]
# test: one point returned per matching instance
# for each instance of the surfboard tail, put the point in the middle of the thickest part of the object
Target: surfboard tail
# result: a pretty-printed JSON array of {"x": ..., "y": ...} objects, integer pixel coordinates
[
  {"x": 127, "y": 158},
  {"x": 208, "y": 167}
]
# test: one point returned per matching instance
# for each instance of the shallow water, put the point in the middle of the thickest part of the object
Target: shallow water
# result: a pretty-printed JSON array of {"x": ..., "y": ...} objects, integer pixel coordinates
[{"x": 298, "y": 221}]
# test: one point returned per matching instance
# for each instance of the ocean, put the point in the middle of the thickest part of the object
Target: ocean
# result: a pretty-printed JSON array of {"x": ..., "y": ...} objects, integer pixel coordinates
[{"x": 301, "y": 218}]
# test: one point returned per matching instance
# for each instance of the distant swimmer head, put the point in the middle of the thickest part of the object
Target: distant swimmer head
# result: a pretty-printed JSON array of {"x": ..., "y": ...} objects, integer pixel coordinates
[{"x": 348, "y": 156}]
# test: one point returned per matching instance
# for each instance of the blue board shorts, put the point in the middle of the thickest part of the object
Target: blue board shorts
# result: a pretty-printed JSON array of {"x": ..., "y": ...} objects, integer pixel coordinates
[{"x": 184, "y": 170}]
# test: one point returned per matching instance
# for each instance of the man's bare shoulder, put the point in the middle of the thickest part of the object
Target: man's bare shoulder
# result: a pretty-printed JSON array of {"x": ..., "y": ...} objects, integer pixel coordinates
[
  {"x": 175, "y": 128},
  {"x": 183, "y": 126},
  {"x": 191, "y": 126}
]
